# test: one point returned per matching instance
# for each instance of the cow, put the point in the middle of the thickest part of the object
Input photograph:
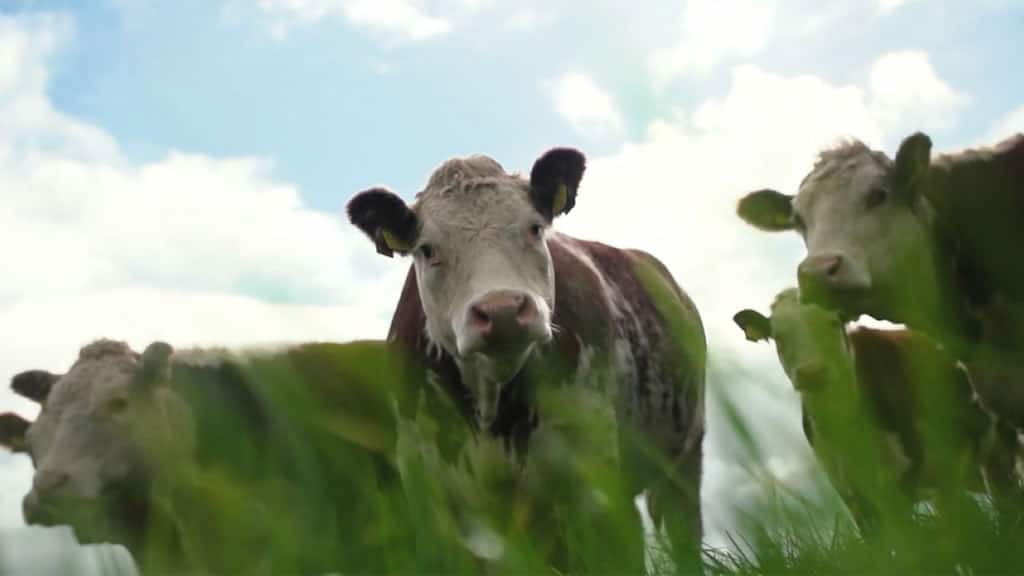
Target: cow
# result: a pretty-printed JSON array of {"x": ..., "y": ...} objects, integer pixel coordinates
[
  {"x": 271, "y": 461},
  {"x": 500, "y": 308},
  {"x": 890, "y": 415},
  {"x": 919, "y": 241}
]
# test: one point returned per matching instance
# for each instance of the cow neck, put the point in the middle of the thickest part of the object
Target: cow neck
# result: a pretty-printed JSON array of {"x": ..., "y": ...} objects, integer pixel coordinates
[{"x": 958, "y": 288}]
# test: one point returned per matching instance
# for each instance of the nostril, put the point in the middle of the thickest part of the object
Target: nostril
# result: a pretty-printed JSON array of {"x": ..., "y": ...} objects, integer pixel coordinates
[
  {"x": 479, "y": 316},
  {"x": 834, "y": 265},
  {"x": 49, "y": 481},
  {"x": 522, "y": 304}
]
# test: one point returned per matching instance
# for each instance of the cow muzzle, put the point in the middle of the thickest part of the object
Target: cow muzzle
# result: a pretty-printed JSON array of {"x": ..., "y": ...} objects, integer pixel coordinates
[
  {"x": 831, "y": 279},
  {"x": 41, "y": 506},
  {"x": 502, "y": 322}
]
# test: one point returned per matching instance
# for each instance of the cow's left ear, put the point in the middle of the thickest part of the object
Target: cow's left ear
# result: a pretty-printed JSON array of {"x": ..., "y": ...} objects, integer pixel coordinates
[
  {"x": 386, "y": 219},
  {"x": 755, "y": 325},
  {"x": 554, "y": 179},
  {"x": 767, "y": 210},
  {"x": 34, "y": 384},
  {"x": 12, "y": 431},
  {"x": 911, "y": 165},
  {"x": 156, "y": 362}
]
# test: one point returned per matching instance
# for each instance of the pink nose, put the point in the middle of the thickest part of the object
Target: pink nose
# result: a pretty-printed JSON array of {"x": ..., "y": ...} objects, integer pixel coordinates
[
  {"x": 502, "y": 315},
  {"x": 822, "y": 267}
]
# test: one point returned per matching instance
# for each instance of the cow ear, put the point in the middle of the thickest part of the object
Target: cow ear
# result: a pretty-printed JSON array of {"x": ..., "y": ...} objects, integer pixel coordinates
[
  {"x": 12, "y": 431},
  {"x": 767, "y": 210},
  {"x": 156, "y": 362},
  {"x": 554, "y": 179},
  {"x": 386, "y": 219},
  {"x": 911, "y": 165},
  {"x": 34, "y": 384},
  {"x": 755, "y": 325}
]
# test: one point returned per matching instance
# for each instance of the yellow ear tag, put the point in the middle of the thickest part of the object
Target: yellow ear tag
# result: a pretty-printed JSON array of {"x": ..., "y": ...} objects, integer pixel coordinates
[
  {"x": 393, "y": 242},
  {"x": 561, "y": 197}
]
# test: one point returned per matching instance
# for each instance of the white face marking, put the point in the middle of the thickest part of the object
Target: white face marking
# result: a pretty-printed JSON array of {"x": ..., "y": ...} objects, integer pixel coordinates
[
  {"x": 848, "y": 209},
  {"x": 810, "y": 341},
  {"x": 476, "y": 238}
]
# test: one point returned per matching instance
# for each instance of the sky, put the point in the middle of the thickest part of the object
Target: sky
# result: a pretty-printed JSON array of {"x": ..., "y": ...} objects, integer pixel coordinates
[{"x": 178, "y": 171}]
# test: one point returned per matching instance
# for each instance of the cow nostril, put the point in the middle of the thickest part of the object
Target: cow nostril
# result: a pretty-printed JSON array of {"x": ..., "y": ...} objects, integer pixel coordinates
[
  {"x": 479, "y": 316},
  {"x": 49, "y": 481},
  {"x": 834, "y": 265}
]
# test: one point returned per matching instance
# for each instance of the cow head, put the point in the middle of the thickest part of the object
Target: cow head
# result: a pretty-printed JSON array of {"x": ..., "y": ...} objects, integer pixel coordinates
[
  {"x": 485, "y": 276},
  {"x": 810, "y": 341},
  {"x": 99, "y": 432},
  {"x": 867, "y": 228}
]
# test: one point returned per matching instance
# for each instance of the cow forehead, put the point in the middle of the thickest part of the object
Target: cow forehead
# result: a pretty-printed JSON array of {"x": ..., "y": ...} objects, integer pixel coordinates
[
  {"x": 475, "y": 205},
  {"x": 90, "y": 377},
  {"x": 840, "y": 172}
]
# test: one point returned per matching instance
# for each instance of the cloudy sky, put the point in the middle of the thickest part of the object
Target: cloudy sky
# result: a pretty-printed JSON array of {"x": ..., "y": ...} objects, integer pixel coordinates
[{"x": 178, "y": 170}]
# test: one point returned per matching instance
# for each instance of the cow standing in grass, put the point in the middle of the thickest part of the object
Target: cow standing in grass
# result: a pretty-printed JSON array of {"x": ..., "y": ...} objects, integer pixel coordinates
[
  {"x": 502, "y": 309},
  {"x": 273, "y": 462},
  {"x": 931, "y": 243},
  {"x": 891, "y": 417}
]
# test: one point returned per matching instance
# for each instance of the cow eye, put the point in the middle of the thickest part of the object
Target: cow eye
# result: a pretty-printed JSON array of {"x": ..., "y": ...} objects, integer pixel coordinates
[
  {"x": 427, "y": 251},
  {"x": 536, "y": 230},
  {"x": 876, "y": 197},
  {"x": 117, "y": 405}
]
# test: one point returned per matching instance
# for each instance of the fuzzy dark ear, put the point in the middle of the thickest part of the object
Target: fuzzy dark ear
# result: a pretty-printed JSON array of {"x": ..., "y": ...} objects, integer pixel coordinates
[
  {"x": 12, "y": 431},
  {"x": 767, "y": 210},
  {"x": 34, "y": 384},
  {"x": 911, "y": 165},
  {"x": 386, "y": 219},
  {"x": 755, "y": 325},
  {"x": 156, "y": 362},
  {"x": 554, "y": 179}
]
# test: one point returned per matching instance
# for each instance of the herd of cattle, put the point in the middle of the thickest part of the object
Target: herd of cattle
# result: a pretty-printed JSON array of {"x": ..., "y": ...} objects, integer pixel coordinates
[{"x": 503, "y": 322}]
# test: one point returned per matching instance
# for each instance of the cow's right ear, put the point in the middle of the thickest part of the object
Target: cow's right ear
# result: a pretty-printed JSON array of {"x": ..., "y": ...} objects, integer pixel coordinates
[
  {"x": 768, "y": 210},
  {"x": 911, "y": 165},
  {"x": 34, "y": 384},
  {"x": 386, "y": 219},
  {"x": 12, "y": 432},
  {"x": 755, "y": 325}
]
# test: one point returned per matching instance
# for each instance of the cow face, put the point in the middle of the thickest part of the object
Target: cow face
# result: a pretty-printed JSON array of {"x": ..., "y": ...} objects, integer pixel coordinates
[
  {"x": 477, "y": 238},
  {"x": 100, "y": 428},
  {"x": 810, "y": 341},
  {"x": 870, "y": 248}
]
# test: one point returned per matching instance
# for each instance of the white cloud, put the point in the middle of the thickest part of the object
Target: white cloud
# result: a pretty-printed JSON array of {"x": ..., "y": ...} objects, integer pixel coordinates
[
  {"x": 908, "y": 95},
  {"x": 889, "y": 6},
  {"x": 402, "y": 20},
  {"x": 1010, "y": 124},
  {"x": 713, "y": 32},
  {"x": 585, "y": 105}
]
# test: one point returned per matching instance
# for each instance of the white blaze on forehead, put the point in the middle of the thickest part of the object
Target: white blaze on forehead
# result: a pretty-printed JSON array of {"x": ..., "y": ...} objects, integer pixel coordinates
[{"x": 806, "y": 335}]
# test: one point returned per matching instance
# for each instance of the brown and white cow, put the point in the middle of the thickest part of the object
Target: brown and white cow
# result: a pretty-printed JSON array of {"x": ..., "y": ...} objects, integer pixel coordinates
[
  {"x": 931, "y": 243},
  {"x": 500, "y": 305},
  {"x": 889, "y": 414}
]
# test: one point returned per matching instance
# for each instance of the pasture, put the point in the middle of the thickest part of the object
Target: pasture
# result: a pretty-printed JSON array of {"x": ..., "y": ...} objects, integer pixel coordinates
[{"x": 539, "y": 287}]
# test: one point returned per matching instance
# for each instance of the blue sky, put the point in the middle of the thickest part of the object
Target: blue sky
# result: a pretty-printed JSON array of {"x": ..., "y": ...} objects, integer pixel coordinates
[{"x": 178, "y": 170}]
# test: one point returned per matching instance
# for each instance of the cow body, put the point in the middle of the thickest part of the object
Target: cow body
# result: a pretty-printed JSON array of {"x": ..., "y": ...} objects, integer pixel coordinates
[
  {"x": 920, "y": 241},
  {"x": 892, "y": 418},
  {"x": 523, "y": 310},
  {"x": 276, "y": 462}
]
